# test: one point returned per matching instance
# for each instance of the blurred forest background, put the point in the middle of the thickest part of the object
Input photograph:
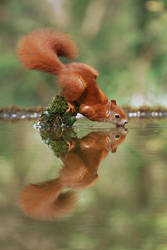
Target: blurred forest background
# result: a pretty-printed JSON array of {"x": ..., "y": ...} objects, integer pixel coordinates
[{"x": 126, "y": 41}]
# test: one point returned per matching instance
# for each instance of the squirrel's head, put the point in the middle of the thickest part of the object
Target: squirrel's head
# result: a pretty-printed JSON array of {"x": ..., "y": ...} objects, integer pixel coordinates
[{"x": 116, "y": 114}]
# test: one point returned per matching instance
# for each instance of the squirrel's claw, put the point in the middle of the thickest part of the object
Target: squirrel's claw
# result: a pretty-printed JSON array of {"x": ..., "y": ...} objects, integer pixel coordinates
[{"x": 71, "y": 107}]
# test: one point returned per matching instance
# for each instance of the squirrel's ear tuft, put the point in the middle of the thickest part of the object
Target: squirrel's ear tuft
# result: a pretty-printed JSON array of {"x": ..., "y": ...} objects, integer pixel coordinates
[{"x": 113, "y": 102}]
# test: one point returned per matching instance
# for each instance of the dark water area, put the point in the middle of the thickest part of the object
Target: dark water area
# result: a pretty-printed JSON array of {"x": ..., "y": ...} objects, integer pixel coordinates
[{"x": 94, "y": 187}]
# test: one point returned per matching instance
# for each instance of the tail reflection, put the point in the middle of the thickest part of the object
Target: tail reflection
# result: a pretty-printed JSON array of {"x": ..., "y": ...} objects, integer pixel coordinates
[{"x": 80, "y": 164}]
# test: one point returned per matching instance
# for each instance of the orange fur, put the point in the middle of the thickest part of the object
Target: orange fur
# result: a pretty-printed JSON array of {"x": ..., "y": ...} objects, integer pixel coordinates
[
  {"x": 47, "y": 200},
  {"x": 41, "y": 49}
]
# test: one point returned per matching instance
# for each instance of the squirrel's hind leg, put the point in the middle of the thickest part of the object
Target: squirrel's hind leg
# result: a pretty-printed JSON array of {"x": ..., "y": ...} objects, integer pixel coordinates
[
  {"x": 71, "y": 107},
  {"x": 72, "y": 86}
]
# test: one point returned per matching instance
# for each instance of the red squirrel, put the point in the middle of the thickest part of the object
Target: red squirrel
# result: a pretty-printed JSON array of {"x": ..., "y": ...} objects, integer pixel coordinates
[
  {"x": 41, "y": 49},
  {"x": 80, "y": 165}
]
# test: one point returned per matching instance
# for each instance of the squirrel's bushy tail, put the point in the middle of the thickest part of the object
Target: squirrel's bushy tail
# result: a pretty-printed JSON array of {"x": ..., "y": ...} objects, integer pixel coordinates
[{"x": 40, "y": 50}]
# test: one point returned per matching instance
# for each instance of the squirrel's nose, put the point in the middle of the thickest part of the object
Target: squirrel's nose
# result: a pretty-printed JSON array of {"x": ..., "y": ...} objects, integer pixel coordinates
[
  {"x": 125, "y": 122},
  {"x": 122, "y": 123}
]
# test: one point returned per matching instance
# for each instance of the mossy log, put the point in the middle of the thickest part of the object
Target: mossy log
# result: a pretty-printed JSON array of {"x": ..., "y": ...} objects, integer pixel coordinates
[{"x": 57, "y": 115}]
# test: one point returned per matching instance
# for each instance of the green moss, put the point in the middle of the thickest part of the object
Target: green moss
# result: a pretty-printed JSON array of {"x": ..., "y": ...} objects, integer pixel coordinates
[
  {"x": 59, "y": 139},
  {"x": 56, "y": 115},
  {"x": 58, "y": 105}
]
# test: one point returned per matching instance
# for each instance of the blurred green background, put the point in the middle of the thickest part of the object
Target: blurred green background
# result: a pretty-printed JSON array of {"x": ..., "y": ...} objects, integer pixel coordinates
[{"x": 125, "y": 40}]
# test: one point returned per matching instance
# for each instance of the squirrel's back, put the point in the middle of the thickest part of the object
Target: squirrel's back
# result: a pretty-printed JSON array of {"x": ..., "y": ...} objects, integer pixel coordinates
[{"x": 40, "y": 50}]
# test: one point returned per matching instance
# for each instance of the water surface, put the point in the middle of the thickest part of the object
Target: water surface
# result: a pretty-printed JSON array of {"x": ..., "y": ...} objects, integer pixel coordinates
[{"x": 105, "y": 190}]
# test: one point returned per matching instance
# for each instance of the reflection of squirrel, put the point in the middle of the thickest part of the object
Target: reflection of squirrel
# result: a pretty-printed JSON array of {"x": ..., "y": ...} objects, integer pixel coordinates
[
  {"x": 40, "y": 50},
  {"x": 47, "y": 200}
]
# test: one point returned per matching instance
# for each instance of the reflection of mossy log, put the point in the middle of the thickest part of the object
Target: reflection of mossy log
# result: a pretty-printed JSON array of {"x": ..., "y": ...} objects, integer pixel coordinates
[
  {"x": 56, "y": 115},
  {"x": 59, "y": 140}
]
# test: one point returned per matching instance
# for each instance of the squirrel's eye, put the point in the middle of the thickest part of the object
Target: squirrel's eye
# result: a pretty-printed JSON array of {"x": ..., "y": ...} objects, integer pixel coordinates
[
  {"x": 117, "y": 136},
  {"x": 117, "y": 116}
]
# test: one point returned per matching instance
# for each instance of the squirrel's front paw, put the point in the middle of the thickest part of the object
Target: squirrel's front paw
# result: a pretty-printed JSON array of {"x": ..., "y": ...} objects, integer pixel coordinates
[{"x": 86, "y": 110}]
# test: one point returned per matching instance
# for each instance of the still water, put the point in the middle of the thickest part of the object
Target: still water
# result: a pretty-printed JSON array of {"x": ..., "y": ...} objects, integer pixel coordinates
[{"x": 91, "y": 188}]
